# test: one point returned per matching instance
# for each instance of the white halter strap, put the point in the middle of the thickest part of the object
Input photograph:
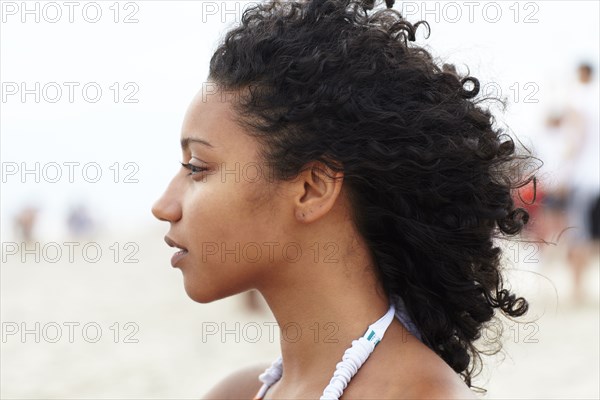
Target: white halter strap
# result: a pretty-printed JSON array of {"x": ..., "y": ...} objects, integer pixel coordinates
[
  {"x": 353, "y": 358},
  {"x": 271, "y": 375}
]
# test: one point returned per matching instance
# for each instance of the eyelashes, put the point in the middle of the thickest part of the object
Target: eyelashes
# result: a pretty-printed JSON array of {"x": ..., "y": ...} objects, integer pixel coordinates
[{"x": 194, "y": 169}]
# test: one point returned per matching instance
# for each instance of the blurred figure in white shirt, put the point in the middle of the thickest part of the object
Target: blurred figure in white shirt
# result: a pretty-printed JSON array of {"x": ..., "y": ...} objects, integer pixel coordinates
[{"x": 582, "y": 122}]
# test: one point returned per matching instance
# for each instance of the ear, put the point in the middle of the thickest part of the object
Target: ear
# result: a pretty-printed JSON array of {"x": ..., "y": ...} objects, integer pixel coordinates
[{"x": 317, "y": 188}]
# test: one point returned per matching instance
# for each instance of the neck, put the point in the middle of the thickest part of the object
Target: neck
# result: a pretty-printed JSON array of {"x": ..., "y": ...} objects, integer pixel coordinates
[{"x": 321, "y": 307}]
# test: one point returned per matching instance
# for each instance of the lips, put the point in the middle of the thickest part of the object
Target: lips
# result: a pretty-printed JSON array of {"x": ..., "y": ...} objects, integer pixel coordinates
[{"x": 178, "y": 255}]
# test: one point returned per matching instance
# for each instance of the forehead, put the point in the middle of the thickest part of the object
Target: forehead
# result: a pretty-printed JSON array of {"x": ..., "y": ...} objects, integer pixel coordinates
[
  {"x": 211, "y": 117},
  {"x": 207, "y": 112}
]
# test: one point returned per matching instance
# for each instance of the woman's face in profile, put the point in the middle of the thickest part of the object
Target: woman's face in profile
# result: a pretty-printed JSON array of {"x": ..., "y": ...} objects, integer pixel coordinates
[{"x": 223, "y": 211}]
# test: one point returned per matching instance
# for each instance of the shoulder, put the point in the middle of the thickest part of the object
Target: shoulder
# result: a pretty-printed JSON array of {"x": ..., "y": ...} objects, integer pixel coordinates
[
  {"x": 241, "y": 384},
  {"x": 404, "y": 368},
  {"x": 433, "y": 379},
  {"x": 446, "y": 389}
]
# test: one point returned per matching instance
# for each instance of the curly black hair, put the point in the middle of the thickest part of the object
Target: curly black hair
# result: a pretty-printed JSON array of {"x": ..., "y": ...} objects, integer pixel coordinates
[{"x": 429, "y": 177}]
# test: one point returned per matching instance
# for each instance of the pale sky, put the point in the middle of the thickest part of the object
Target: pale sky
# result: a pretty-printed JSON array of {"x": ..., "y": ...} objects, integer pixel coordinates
[{"x": 528, "y": 50}]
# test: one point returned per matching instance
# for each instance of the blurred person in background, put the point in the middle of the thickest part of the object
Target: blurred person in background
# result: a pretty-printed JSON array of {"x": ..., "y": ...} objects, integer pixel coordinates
[
  {"x": 24, "y": 223},
  {"x": 583, "y": 185},
  {"x": 79, "y": 221},
  {"x": 549, "y": 220}
]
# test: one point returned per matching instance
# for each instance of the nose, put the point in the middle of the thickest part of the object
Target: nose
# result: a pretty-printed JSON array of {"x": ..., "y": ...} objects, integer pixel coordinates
[{"x": 168, "y": 207}]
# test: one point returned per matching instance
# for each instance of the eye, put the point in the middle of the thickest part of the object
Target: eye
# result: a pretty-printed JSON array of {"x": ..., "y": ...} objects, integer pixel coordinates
[{"x": 193, "y": 168}]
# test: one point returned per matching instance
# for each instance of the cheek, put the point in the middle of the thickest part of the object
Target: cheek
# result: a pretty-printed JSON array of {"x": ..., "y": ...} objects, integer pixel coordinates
[
  {"x": 224, "y": 226},
  {"x": 220, "y": 212}
]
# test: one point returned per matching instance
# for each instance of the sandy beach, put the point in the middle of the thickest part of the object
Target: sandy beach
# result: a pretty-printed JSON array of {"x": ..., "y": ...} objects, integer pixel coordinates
[{"x": 111, "y": 329}]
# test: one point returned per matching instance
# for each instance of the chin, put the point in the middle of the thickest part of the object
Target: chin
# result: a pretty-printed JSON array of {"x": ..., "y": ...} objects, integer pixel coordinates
[
  {"x": 205, "y": 295},
  {"x": 200, "y": 295}
]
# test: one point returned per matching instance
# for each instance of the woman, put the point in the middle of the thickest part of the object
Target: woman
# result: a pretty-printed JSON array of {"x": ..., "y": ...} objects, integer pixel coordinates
[{"x": 334, "y": 167}]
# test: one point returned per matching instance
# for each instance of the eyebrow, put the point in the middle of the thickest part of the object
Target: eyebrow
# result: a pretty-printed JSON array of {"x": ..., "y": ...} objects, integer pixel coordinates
[{"x": 185, "y": 142}]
